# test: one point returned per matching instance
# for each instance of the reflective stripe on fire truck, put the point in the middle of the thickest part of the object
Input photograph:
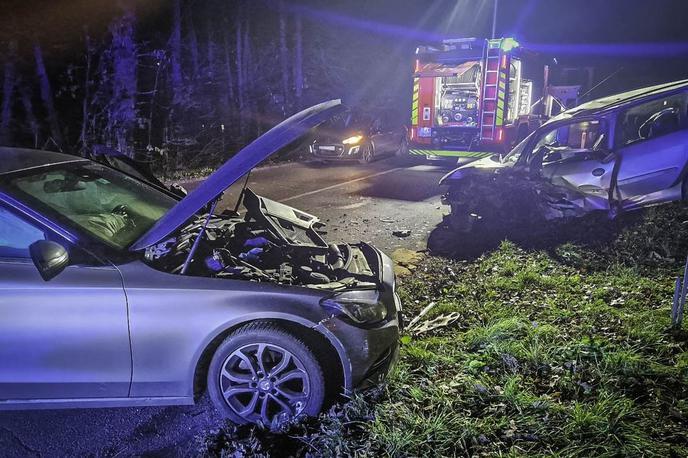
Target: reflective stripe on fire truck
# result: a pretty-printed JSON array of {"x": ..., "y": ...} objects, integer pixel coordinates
[
  {"x": 448, "y": 153},
  {"x": 414, "y": 106}
]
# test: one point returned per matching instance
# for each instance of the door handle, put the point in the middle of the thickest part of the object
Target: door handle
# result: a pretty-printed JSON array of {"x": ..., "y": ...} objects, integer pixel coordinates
[{"x": 598, "y": 172}]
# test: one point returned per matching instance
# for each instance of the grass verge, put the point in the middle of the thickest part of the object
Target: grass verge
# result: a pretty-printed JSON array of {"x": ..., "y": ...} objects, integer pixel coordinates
[{"x": 563, "y": 352}]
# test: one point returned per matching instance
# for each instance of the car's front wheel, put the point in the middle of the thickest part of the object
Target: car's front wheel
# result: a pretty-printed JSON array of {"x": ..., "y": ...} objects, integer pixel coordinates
[
  {"x": 263, "y": 375},
  {"x": 367, "y": 154}
]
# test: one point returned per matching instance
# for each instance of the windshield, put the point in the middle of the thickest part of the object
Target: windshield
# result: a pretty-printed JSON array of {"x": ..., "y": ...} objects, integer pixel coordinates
[
  {"x": 106, "y": 204},
  {"x": 515, "y": 153},
  {"x": 346, "y": 122}
]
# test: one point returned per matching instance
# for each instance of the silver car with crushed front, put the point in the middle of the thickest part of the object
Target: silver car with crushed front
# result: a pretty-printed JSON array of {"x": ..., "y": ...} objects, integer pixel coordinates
[{"x": 114, "y": 291}]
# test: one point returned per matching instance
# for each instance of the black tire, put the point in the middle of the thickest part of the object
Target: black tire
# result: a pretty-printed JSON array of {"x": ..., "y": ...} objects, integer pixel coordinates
[
  {"x": 367, "y": 154},
  {"x": 239, "y": 388}
]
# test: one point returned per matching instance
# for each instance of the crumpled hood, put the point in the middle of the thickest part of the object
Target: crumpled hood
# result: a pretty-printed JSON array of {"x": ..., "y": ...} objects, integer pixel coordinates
[
  {"x": 241, "y": 163},
  {"x": 485, "y": 165}
]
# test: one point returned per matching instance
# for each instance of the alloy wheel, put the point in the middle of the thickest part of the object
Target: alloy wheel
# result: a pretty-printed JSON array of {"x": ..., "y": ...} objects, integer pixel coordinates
[{"x": 264, "y": 383}]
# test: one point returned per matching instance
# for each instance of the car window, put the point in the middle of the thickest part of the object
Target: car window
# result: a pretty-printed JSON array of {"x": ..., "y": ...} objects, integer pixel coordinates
[
  {"x": 16, "y": 235},
  {"x": 652, "y": 119},
  {"x": 573, "y": 139},
  {"x": 102, "y": 202}
]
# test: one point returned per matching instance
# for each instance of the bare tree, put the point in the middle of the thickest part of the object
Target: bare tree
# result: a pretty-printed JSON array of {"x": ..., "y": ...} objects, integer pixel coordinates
[
  {"x": 284, "y": 54},
  {"x": 176, "y": 52},
  {"x": 27, "y": 104},
  {"x": 229, "y": 93},
  {"x": 47, "y": 97},
  {"x": 124, "y": 61},
  {"x": 8, "y": 86},
  {"x": 193, "y": 42},
  {"x": 86, "y": 98},
  {"x": 241, "y": 86},
  {"x": 298, "y": 59}
]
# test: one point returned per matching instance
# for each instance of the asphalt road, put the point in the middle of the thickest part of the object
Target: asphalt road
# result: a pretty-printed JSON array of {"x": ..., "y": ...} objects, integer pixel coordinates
[{"x": 357, "y": 202}]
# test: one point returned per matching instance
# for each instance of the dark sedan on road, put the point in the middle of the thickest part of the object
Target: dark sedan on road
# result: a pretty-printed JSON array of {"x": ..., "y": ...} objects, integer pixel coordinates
[
  {"x": 115, "y": 291},
  {"x": 353, "y": 136}
]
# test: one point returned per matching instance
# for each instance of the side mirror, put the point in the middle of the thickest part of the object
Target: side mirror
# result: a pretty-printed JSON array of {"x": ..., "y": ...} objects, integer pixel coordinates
[{"x": 50, "y": 258}]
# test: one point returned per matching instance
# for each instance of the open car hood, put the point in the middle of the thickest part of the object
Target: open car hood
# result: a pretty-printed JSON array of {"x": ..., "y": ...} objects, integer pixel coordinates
[{"x": 241, "y": 163}]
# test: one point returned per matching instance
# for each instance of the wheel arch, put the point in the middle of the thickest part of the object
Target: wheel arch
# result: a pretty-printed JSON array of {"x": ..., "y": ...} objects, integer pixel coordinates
[{"x": 318, "y": 339}]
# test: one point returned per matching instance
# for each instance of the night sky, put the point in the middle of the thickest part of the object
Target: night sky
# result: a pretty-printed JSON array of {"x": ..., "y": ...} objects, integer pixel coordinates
[
  {"x": 539, "y": 21},
  {"x": 403, "y": 22},
  {"x": 647, "y": 40}
]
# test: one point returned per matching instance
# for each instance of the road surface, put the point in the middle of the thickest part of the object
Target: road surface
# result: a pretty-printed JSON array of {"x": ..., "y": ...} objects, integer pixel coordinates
[{"x": 357, "y": 202}]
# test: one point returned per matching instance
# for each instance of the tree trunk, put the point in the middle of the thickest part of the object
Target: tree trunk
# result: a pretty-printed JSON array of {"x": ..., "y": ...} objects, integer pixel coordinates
[
  {"x": 176, "y": 52},
  {"x": 123, "y": 104},
  {"x": 47, "y": 97},
  {"x": 25, "y": 93},
  {"x": 193, "y": 43},
  {"x": 241, "y": 88},
  {"x": 85, "y": 113},
  {"x": 229, "y": 93},
  {"x": 210, "y": 52},
  {"x": 249, "y": 80},
  {"x": 298, "y": 60},
  {"x": 284, "y": 57},
  {"x": 8, "y": 86}
]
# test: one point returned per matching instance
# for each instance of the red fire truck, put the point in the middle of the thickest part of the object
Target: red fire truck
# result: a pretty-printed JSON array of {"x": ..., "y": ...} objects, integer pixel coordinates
[{"x": 474, "y": 97}]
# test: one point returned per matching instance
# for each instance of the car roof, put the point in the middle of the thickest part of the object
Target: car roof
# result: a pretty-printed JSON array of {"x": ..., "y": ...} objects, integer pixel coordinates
[
  {"x": 18, "y": 159},
  {"x": 620, "y": 100}
]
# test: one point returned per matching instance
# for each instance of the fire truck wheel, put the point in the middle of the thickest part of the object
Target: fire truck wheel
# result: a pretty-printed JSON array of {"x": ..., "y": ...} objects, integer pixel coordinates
[{"x": 367, "y": 155}]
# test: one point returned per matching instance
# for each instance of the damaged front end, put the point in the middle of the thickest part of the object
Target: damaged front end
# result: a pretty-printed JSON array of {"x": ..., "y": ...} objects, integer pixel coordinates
[
  {"x": 509, "y": 199},
  {"x": 271, "y": 242}
]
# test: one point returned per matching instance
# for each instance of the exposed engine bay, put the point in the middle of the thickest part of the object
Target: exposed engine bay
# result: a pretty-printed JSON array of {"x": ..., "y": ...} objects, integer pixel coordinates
[{"x": 272, "y": 242}]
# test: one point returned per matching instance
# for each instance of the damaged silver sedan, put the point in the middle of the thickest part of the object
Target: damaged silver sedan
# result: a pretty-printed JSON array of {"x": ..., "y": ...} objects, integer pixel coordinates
[
  {"x": 614, "y": 154},
  {"x": 118, "y": 292}
]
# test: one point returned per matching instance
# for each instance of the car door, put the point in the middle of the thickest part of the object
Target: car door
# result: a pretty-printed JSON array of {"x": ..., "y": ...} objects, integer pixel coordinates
[
  {"x": 652, "y": 146},
  {"x": 67, "y": 338},
  {"x": 392, "y": 134},
  {"x": 378, "y": 137},
  {"x": 578, "y": 157}
]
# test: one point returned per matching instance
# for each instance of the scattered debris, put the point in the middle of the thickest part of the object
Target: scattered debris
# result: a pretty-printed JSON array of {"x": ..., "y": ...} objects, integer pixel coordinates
[
  {"x": 401, "y": 233},
  {"x": 421, "y": 315},
  {"x": 441, "y": 321}
]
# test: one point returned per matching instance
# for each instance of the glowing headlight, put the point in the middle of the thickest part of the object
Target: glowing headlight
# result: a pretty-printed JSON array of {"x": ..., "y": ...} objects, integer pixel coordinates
[
  {"x": 352, "y": 140},
  {"x": 361, "y": 307}
]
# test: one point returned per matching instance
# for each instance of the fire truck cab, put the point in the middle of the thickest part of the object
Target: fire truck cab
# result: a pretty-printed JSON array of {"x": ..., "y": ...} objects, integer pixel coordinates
[{"x": 472, "y": 98}]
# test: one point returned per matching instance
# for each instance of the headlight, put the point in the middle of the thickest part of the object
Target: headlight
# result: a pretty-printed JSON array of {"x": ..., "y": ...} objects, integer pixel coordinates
[
  {"x": 361, "y": 307},
  {"x": 352, "y": 140}
]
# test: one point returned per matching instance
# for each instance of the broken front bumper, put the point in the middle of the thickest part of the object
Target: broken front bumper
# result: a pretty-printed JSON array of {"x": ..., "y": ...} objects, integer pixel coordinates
[{"x": 371, "y": 350}]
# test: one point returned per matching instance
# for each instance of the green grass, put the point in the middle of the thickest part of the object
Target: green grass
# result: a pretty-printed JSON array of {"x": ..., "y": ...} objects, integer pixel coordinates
[{"x": 553, "y": 355}]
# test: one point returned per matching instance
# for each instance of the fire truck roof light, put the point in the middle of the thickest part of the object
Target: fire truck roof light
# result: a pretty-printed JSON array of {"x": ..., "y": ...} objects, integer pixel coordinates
[{"x": 508, "y": 44}]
